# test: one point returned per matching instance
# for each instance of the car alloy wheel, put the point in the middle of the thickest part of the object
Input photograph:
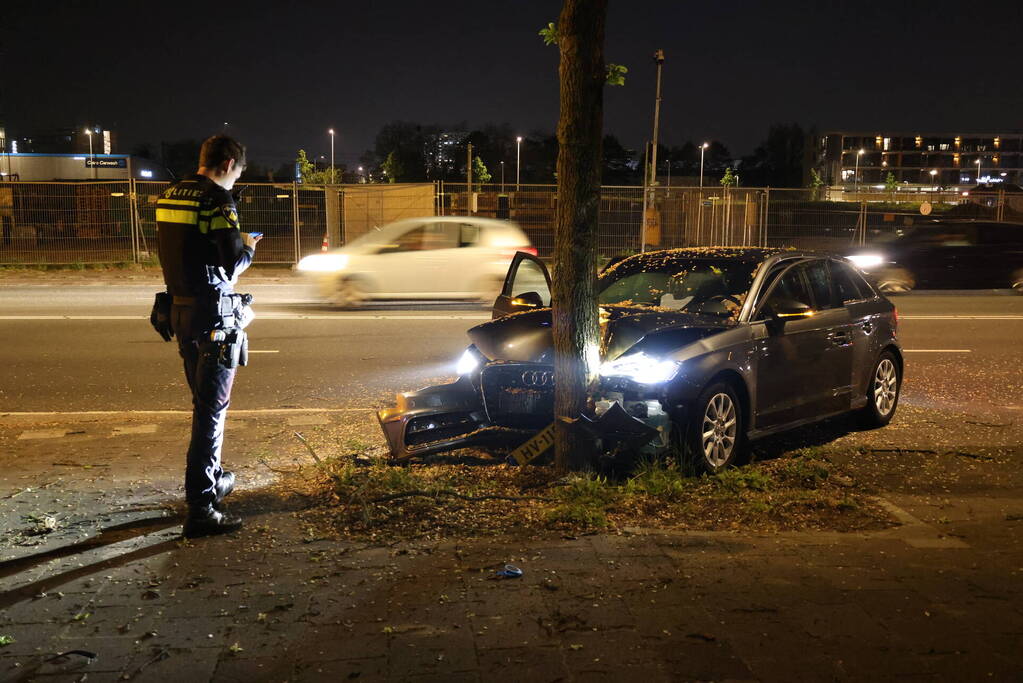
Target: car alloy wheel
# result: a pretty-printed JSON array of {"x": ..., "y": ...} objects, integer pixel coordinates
[
  {"x": 895, "y": 281},
  {"x": 882, "y": 393},
  {"x": 1017, "y": 281},
  {"x": 348, "y": 294},
  {"x": 885, "y": 387},
  {"x": 718, "y": 430}
]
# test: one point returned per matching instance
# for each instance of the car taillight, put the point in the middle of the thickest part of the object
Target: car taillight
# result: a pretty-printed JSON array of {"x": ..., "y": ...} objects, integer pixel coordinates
[{"x": 511, "y": 254}]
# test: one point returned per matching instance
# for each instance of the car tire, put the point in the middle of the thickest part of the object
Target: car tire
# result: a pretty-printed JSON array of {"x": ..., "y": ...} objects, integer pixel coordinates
[
  {"x": 348, "y": 293},
  {"x": 715, "y": 436},
  {"x": 883, "y": 389},
  {"x": 895, "y": 281},
  {"x": 1017, "y": 281},
  {"x": 489, "y": 289}
]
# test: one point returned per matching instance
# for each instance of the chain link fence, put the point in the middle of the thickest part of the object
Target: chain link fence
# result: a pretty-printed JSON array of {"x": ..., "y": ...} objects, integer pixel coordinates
[{"x": 111, "y": 222}]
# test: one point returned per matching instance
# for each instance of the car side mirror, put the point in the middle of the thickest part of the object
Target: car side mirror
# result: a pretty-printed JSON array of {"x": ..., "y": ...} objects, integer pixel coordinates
[
  {"x": 786, "y": 309},
  {"x": 528, "y": 300}
]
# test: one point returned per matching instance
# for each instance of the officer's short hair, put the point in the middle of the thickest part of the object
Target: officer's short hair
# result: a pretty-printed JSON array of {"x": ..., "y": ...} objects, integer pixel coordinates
[{"x": 218, "y": 149}]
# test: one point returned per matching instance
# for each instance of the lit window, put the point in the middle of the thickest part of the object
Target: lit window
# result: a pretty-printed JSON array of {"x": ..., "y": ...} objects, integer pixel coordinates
[
  {"x": 886, "y": 144},
  {"x": 919, "y": 141},
  {"x": 955, "y": 159},
  {"x": 998, "y": 143},
  {"x": 958, "y": 141},
  {"x": 877, "y": 142}
]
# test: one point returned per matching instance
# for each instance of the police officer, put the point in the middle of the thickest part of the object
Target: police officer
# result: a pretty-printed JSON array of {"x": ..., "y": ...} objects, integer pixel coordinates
[{"x": 202, "y": 253}]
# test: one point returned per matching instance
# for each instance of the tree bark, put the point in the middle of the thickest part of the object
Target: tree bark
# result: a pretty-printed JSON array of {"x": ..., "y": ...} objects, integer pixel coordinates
[{"x": 575, "y": 317}]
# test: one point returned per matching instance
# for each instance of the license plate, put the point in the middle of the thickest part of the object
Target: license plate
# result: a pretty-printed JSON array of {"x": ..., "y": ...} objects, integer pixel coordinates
[{"x": 535, "y": 447}]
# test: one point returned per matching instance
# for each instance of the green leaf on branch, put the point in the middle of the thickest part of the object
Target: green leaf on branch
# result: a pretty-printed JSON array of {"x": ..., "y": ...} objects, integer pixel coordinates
[
  {"x": 549, "y": 34},
  {"x": 616, "y": 74}
]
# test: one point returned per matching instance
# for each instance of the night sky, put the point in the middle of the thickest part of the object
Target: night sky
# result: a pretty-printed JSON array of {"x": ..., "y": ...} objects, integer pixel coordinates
[{"x": 282, "y": 73}]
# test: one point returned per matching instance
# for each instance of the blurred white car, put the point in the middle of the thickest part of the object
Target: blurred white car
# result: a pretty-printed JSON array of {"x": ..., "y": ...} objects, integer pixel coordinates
[{"x": 438, "y": 257}]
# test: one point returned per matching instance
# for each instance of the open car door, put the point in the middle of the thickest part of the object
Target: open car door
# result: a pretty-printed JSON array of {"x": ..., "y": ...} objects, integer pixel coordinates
[{"x": 527, "y": 286}]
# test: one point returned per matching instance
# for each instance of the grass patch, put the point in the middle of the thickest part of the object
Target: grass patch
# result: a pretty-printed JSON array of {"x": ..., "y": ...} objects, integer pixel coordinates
[{"x": 584, "y": 501}]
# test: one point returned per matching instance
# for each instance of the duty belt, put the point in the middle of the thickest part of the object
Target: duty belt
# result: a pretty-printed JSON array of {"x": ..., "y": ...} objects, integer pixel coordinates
[{"x": 184, "y": 300}]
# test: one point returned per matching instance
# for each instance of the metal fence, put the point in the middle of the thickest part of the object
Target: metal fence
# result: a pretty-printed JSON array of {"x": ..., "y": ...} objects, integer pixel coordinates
[{"x": 114, "y": 221}]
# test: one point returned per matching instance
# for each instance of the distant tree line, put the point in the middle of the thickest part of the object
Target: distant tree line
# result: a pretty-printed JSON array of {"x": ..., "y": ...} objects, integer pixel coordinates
[{"x": 405, "y": 151}]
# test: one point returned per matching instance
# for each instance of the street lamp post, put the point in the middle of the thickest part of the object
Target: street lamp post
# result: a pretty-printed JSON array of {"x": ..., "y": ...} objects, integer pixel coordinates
[
  {"x": 518, "y": 159},
  {"x": 703, "y": 148},
  {"x": 92, "y": 159},
  {"x": 331, "y": 132},
  {"x": 856, "y": 172},
  {"x": 502, "y": 177},
  {"x": 659, "y": 61},
  {"x": 934, "y": 173},
  {"x": 978, "y": 171}
]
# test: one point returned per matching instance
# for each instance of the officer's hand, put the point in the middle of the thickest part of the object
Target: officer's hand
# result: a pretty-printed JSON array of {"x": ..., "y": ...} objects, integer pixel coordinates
[{"x": 249, "y": 240}]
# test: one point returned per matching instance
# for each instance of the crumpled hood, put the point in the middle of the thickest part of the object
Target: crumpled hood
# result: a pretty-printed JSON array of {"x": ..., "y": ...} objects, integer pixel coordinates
[{"x": 527, "y": 337}]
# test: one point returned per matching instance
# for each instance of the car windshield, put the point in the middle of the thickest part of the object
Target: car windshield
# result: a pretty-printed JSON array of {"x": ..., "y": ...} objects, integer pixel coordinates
[{"x": 715, "y": 286}]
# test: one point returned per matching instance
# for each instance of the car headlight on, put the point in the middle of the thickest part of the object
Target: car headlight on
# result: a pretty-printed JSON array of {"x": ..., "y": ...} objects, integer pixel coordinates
[
  {"x": 866, "y": 261},
  {"x": 323, "y": 263},
  {"x": 641, "y": 368},
  {"x": 469, "y": 361}
]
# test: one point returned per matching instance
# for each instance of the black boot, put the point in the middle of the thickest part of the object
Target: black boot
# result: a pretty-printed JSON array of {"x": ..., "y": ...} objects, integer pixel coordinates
[
  {"x": 225, "y": 484},
  {"x": 206, "y": 521}
]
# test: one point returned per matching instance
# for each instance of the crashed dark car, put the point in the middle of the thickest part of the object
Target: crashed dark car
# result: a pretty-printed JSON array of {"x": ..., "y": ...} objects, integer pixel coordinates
[{"x": 702, "y": 349}]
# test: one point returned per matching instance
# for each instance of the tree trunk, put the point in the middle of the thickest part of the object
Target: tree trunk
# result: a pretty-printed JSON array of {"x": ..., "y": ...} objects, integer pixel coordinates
[{"x": 580, "y": 126}]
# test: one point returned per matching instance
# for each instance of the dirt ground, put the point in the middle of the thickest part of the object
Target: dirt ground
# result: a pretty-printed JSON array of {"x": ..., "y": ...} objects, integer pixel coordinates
[{"x": 93, "y": 562}]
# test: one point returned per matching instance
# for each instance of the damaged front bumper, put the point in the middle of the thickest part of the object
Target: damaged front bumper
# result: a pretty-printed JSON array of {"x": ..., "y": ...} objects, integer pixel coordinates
[
  {"x": 441, "y": 418},
  {"x": 507, "y": 403}
]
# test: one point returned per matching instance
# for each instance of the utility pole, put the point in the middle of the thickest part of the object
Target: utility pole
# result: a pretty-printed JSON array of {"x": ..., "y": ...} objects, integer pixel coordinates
[
  {"x": 659, "y": 61},
  {"x": 468, "y": 181}
]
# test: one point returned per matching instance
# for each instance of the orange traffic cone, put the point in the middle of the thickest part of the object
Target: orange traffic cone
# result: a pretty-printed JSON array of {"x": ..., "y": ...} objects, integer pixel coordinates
[{"x": 325, "y": 246}]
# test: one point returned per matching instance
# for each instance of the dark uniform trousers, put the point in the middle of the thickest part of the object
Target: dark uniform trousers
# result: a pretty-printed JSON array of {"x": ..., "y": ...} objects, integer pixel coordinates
[{"x": 210, "y": 383}]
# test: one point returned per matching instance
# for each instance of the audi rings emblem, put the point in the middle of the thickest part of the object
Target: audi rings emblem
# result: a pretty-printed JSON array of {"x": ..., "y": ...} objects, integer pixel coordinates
[{"x": 538, "y": 378}]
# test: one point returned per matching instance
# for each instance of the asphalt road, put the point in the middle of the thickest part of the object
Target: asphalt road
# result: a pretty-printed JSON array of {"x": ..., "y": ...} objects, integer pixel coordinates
[{"x": 89, "y": 347}]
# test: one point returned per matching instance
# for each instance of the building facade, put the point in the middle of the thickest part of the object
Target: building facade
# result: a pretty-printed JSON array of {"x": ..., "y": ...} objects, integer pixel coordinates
[
  {"x": 919, "y": 160},
  {"x": 43, "y": 167}
]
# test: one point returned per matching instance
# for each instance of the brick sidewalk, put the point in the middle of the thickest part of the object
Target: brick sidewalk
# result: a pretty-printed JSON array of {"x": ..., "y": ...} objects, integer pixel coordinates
[{"x": 274, "y": 603}]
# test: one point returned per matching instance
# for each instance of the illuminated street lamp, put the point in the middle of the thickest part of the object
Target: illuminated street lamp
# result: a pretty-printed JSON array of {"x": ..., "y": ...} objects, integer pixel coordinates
[
  {"x": 502, "y": 176},
  {"x": 92, "y": 159},
  {"x": 978, "y": 171},
  {"x": 518, "y": 159},
  {"x": 360, "y": 175},
  {"x": 934, "y": 173},
  {"x": 331, "y": 132},
  {"x": 856, "y": 173},
  {"x": 703, "y": 148}
]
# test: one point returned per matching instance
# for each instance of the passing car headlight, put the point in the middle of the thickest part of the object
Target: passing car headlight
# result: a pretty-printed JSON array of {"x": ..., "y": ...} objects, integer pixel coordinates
[
  {"x": 641, "y": 368},
  {"x": 469, "y": 361},
  {"x": 866, "y": 261},
  {"x": 323, "y": 263}
]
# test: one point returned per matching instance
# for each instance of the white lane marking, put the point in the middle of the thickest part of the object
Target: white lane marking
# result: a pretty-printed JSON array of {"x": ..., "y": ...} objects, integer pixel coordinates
[
  {"x": 917, "y": 533},
  {"x": 960, "y": 317},
  {"x": 134, "y": 429},
  {"x": 938, "y": 350},
  {"x": 305, "y": 420},
  {"x": 263, "y": 351},
  {"x": 249, "y": 411},
  {"x": 262, "y": 316},
  {"x": 43, "y": 434}
]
